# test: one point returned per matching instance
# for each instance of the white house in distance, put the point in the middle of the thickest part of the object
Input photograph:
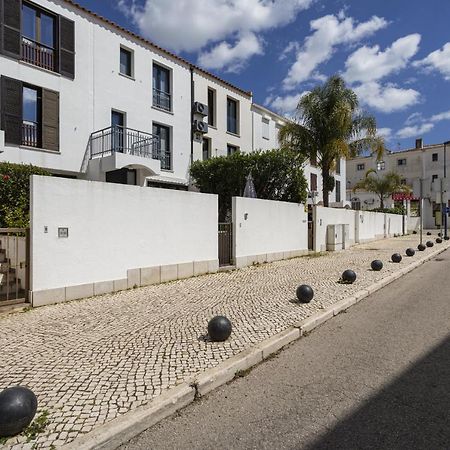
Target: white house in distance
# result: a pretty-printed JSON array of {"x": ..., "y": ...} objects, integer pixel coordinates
[
  {"x": 424, "y": 162},
  {"x": 85, "y": 98}
]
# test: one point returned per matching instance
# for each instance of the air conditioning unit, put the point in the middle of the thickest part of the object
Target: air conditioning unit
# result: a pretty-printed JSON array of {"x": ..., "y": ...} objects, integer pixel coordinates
[
  {"x": 200, "y": 126},
  {"x": 200, "y": 108}
]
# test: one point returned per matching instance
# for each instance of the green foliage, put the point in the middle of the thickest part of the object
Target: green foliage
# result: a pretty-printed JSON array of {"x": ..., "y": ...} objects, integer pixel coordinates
[
  {"x": 37, "y": 426},
  {"x": 329, "y": 126},
  {"x": 15, "y": 193},
  {"x": 277, "y": 175},
  {"x": 397, "y": 210},
  {"x": 383, "y": 186}
]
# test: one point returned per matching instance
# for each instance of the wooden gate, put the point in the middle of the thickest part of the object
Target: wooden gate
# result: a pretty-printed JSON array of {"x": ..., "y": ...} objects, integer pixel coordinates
[
  {"x": 225, "y": 244},
  {"x": 14, "y": 265}
]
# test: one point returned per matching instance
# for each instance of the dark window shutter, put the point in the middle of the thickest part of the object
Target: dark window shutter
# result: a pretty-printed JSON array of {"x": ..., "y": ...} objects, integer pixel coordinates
[
  {"x": 10, "y": 28},
  {"x": 66, "y": 47},
  {"x": 11, "y": 110},
  {"x": 50, "y": 120}
]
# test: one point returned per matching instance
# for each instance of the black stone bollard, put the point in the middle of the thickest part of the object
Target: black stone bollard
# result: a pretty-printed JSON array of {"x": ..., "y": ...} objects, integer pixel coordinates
[
  {"x": 421, "y": 247},
  {"x": 376, "y": 265},
  {"x": 438, "y": 241},
  {"x": 18, "y": 406},
  {"x": 349, "y": 276},
  {"x": 410, "y": 252},
  {"x": 396, "y": 257},
  {"x": 428, "y": 233},
  {"x": 219, "y": 328},
  {"x": 305, "y": 293},
  {"x": 429, "y": 243}
]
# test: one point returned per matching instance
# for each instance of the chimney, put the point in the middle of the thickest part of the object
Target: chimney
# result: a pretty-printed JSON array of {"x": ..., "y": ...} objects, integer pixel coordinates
[{"x": 419, "y": 143}]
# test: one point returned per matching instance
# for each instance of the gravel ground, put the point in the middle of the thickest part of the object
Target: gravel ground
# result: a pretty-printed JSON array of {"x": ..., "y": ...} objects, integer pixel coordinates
[{"x": 89, "y": 361}]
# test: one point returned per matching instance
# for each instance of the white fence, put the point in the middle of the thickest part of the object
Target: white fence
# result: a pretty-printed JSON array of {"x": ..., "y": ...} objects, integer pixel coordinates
[
  {"x": 265, "y": 230},
  {"x": 90, "y": 238},
  {"x": 363, "y": 226}
]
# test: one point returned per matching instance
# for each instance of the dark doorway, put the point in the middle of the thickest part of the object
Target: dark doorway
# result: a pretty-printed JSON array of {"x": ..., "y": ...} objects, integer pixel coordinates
[{"x": 122, "y": 176}]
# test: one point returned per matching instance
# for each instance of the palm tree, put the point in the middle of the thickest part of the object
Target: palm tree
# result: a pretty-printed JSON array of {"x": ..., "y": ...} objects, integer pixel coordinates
[
  {"x": 328, "y": 126},
  {"x": 383, "y": 186}
]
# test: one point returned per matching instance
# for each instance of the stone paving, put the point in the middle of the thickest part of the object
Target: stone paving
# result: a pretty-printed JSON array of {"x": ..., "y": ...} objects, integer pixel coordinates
[{"x": 91, "y": 360}]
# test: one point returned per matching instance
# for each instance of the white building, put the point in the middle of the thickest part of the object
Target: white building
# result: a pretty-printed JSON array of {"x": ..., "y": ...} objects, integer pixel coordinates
[
  {"x": 85, "y": 98},
  {"x": 424, "y": 162}
]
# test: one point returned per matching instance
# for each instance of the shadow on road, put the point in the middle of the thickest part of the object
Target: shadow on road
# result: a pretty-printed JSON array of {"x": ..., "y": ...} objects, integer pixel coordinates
[{"x": 413, "y": 412}]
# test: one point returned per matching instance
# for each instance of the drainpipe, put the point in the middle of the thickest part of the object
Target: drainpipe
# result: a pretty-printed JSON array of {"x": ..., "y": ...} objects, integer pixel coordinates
[{"x": 191, "y": 68}]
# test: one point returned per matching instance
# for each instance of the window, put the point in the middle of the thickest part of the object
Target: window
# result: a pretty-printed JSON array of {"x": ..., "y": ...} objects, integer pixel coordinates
[
  {"x": 313, "y": 160},
  {"x": 403, "y": 181},
  {"x": 212, "y": 107},
  {"x": 38, "y": 37},
  {"x": 265, "y": 128},
  {"x": 161, "y": 88},
  {"x": 381, "y": 165},
  {"x": 434, "y": 157},
  {"x": 31, "y": 121},
  {"x": 206, "y": 149},
  {"x": 29, "y": 114},
  {"x": 338, "y": 166},
  {"x": 232, "y": 116},
  {"x": 163, "y": 133},
  {"x": 401, "y": 162},
  {"x": 338, "y": 191},
  {"x": 360, "y": 166},
  {"x": 118, "y": 132},
  {"x": 434, "y": 178},
  {"x": 231, "y": 149},
  {"x": 313, "y": 182},
  {"x": 126, "y": 62}
]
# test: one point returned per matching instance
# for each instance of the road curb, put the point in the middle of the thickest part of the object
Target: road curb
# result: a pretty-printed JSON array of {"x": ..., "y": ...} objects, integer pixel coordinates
[{"x": 123, "y": 428}]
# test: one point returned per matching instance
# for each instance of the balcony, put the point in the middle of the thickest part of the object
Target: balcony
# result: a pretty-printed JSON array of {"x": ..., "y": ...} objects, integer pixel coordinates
[
  {"x": 30, "y": 134},
  {"x": 162, "y": 100},
  {"x": 38, "y": 54},
  {"x": 117, "y": 147}
]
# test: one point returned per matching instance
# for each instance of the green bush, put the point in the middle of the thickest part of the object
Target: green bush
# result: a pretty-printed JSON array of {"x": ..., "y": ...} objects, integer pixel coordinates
[
  {"x": 277, "y": 175},
  {"x": 15, "y": 193},
  {"x": 397, "y": 210}
]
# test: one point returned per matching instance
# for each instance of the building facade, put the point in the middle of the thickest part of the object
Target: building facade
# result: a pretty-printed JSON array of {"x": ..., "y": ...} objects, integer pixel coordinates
[
  {"x": 84, "y": 98},
  {"x": 422, "y": 162}
]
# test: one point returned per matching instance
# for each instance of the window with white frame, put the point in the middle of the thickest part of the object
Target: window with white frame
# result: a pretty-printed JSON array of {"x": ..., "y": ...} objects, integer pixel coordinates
[
  {"x": 360, "y": 166},
  {"x": 232, "y": 116},
  {"x": 163, "y": 133},
  {"x": 401, "y": 162},
  {"x": 265, "y": 128},
  {"x": 381, "y": 165}
]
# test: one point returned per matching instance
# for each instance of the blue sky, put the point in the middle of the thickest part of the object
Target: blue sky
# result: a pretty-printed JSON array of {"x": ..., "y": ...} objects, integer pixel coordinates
[{"x": 394, "y": 53}]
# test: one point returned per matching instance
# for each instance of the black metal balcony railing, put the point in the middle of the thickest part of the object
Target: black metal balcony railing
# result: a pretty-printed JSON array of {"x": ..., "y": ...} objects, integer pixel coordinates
[
  {"x": 38, "y": 54},
  {"x": 30, "y": 134},
  {"x": 118, "y": 139},
  {"x": 162, "y": 100}
]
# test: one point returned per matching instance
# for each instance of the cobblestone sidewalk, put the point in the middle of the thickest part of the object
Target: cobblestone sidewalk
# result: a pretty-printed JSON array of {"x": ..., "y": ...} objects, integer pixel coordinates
[{"x": 89, "y": 361}]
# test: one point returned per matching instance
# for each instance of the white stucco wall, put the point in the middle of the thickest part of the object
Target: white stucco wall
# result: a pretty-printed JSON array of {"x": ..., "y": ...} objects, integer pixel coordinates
[
  {"x": 218, "y": 134},
  {"x": 267, "y": 142},
  {"x": 331, "y": 216},
  {"x": 265, "y": 230},
  {"x": 113, "y": 228}
]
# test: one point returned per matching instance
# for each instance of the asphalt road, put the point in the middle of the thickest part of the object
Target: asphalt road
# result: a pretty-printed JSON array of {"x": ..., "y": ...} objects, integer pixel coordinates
[{"x": 376, "y": 377}]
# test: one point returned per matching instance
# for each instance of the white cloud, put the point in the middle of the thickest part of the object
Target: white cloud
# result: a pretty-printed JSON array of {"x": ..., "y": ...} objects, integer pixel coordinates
[
  {"x": 441, "y": 116},
  {"x": 415, "y": 130},
  {"x": 284, "y": 104},
  {"x": 387, "y": 98},
  {"x": 370, "y": 64},
  {"x": 414, "y": 119},
  {"x": 385, "y": 133},
  {"x": 438, "y": 60},
  {"x": 193, "y": 25},
  {"x": 231, "y": 58},
  {"x": 328, "y": 32},
  {"x": 293, "y": 46}
]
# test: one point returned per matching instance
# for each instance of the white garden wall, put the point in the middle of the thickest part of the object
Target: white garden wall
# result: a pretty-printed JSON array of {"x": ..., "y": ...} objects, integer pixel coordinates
[
  {"x": 323, "y": 217},
  {"x": 118, "y": 237},
  {"x": 394, "y": 224},
  {"x": 266, "y": 230}
]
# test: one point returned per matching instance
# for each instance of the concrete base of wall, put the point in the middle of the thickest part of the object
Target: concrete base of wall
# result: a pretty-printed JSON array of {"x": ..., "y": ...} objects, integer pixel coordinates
[
  {"x": 244, "y": 261},
  {"x": 139, "y": 277}
]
